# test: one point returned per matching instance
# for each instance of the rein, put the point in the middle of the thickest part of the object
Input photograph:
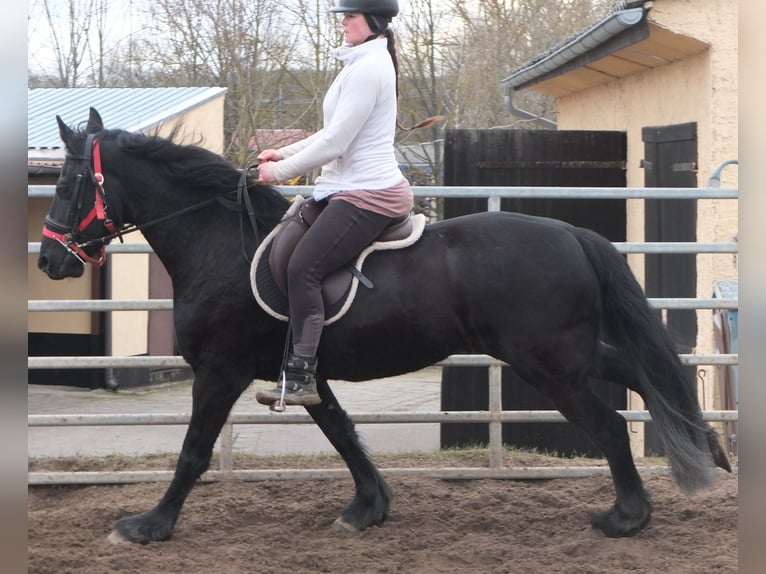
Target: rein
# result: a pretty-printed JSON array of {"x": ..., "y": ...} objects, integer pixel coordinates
[
  {"x": 231, "y": 204},
  {"x": 132, "y": 227}
]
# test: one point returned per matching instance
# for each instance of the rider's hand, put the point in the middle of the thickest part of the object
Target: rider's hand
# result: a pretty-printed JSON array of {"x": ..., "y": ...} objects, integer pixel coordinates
[
  {"x": 269, "y": 155},
  {"x": 266, "y": 172}
]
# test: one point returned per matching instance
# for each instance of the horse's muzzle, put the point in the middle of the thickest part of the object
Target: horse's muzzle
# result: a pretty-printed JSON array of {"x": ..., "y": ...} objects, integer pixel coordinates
[{"x": 58, "y": 263}]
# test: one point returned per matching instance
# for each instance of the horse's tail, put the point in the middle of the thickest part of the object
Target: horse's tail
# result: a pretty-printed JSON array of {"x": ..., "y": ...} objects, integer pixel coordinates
[{"x": 653, "y": 367}]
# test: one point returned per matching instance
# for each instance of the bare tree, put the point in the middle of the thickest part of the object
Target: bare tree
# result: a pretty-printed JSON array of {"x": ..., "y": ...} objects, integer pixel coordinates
[
  {"x": 216, "y": 43},
  {"x": 423, "y": 50},
  {"x": 308, "y": 67},
  {"x": 273, "y": 56},
  {"x": 68, "y": 26},
  {"x": 79, "y": 43},
  {"x": 97, "y": 44},
  {"x": 115, "y": 55},
  {"x": 497, "y": 36}
]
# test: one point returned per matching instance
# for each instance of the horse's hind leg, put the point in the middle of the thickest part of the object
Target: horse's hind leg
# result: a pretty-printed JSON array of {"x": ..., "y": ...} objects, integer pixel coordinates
[
  {"x": 373, "y": 495},
  {"x": 609, "y": 431},
  {"x": 213, "y": 397}
]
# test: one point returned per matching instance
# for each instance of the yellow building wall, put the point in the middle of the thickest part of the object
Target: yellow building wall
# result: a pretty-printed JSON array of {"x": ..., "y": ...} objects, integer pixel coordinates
[
  {"x": 701, "y": 89},
  {"x": 39, "y": 287},
  {"x": 202, "y": 125},
  {"x": 130, "y": 280}
]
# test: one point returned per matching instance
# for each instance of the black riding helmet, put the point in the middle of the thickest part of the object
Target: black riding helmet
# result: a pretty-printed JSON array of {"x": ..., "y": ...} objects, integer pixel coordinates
[
  {"x": 378, "y": 13},
  {"x": 385, "y": 8}
]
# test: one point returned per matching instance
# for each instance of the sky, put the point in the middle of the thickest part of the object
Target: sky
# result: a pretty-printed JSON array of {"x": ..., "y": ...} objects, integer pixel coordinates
[{"x": 123, "y": 17}]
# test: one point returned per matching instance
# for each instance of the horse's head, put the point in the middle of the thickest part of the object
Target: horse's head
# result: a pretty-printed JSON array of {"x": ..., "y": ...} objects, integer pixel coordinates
[
  {"x": 165, "y": 181},
  {"x": 78, "y": 220}
]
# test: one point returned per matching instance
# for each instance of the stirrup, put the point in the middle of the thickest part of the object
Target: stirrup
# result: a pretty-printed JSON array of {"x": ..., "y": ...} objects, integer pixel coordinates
[
  {"x": 279, "y": 406},
  {"x": 297, "y": 386}
]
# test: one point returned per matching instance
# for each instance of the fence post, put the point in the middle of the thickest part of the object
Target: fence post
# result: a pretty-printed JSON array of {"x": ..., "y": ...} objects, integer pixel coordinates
[
  {"x": 495, "y": 388},
  {"x": 495, "y": 406},
  {"x": 227, "y": 447}
]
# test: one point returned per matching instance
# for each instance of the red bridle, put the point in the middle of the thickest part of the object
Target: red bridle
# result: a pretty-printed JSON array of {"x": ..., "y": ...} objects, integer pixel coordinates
[{"x": 67, "y": 235}]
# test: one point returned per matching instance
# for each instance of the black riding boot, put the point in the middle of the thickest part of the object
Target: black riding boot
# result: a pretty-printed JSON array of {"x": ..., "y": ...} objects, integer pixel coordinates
[{"x": 300, "y": 384}]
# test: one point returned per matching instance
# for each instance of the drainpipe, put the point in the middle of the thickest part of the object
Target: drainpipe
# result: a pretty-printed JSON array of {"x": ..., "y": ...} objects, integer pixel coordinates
[
  {"x": 523, "y": 114},
  {"x": 715, "y": 178}
]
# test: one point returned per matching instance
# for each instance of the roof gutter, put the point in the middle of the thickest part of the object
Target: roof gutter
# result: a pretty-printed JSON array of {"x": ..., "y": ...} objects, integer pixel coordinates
[{"x": 579, "y": 45}]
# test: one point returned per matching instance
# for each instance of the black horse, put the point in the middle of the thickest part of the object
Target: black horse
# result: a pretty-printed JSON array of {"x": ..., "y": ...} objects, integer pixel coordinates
[{"x": 556, "y": 302}]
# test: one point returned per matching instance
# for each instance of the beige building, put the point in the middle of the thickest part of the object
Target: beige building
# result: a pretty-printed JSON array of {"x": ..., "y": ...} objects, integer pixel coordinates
[
  {"x": 199, "y": 114},
  {"x": 666, "y": 74}
]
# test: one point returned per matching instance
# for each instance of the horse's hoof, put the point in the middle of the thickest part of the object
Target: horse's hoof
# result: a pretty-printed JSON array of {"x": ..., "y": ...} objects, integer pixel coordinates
[
  {"x": 343, "y": 526},
  {"x": 149, "y": 526},
  {"x": 616, "y": 524}
]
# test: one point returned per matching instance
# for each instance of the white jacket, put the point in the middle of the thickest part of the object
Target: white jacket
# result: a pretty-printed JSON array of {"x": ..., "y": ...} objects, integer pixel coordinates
[{"x": 356, "y": 145}]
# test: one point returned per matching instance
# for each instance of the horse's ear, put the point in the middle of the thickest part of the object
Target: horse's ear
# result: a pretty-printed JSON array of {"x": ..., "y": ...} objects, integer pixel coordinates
[
  {"x": 64, "y": 131},
  {"x": 95, "y": 124}
]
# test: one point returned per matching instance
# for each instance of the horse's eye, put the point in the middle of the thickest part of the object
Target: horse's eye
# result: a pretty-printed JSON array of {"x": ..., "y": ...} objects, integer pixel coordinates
[{"x": 63, "y": 191}]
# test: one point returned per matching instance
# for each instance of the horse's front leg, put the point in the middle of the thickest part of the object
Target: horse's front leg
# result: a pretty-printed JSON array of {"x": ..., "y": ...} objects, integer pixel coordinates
[
  {"x": 213, "y": 396},
  {"x": 373, "y": 495}
]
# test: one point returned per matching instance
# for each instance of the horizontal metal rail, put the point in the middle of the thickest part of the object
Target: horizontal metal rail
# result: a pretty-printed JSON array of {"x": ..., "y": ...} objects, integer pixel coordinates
[
  {"x": 173, "y": 361},
  {"x": 679, "y": 247},
  {"x": 445, "y": 473},
  {"x": 174, "y": 419},
  {"x": 40, "y": 305},
  {"x": 47, "y": 191},
  {"x": 494, "y": 193},
  {"x": 623, "y": 247},
  {"x": 572, "y": 192},
  {"x": 495, "y": 470}
]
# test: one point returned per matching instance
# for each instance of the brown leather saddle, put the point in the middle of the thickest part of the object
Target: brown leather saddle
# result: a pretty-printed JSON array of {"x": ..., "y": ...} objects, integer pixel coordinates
[{"x": 268, "y": 273}]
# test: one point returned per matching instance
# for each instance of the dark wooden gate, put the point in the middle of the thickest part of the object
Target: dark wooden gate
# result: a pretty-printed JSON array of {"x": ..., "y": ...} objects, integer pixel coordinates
[
  {"x": 670, "y": 160},
  {"x": 543, "y": 159}
]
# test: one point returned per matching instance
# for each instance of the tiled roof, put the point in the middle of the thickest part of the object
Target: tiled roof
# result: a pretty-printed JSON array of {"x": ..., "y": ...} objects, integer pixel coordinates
[
  {"x": 265, "y": 138},
  {"x": 133, "y": 109}
]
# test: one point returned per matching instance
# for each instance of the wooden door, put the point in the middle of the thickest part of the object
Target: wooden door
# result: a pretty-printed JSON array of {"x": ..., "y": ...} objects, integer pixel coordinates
[
  {"x": 670, "y": 160},
  {"x": 531, "y": 158}
]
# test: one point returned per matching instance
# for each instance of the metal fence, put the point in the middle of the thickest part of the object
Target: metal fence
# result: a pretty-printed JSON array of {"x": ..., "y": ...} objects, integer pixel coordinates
[{"x": 495, "y": 416}]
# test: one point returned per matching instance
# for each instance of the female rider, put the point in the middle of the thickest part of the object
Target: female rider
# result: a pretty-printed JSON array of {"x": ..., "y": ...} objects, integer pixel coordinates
[{"x": 361, "y": 187}]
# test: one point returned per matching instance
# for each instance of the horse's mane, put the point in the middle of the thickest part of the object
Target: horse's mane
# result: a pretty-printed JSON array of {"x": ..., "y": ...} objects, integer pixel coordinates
[
  {"x": 190, "y": 165},
  {"x": 196, "y": 168}
]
